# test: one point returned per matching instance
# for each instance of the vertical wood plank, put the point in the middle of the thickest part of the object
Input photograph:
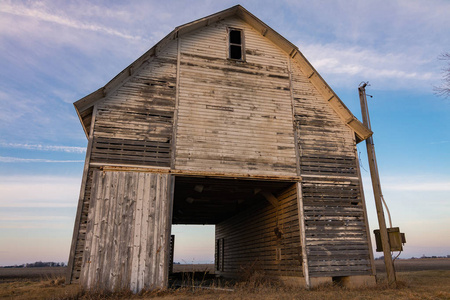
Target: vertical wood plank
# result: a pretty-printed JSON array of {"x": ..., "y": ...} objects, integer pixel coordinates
[
  {"x": 95, "y": 232},
  {"x": 156, "y": 238},
  {"x": 151, "y": 252},
  {"x": 137, "y": 234},
  {"x": 143, "y": 260},
  {"x": 104, "y": 235},
  {"x": 115, "y": 268},
  {"x": 163, "y": 262},
  {"x": 86, "y": 262},
  {"x": 129, "y": 235},
  {"x": 301, "y": 219},
  {"x": 108, "y": 260}
]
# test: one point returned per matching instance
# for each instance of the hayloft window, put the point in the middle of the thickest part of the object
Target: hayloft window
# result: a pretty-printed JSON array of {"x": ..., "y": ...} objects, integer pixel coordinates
[{"x": 235, "y": 41}]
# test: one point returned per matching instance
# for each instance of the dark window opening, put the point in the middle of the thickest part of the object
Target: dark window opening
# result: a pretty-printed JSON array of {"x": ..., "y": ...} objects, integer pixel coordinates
[
  {"x": 235, "y": 43},
  {"x": 235, "y": 52},
  {"x": 235, "y": 37}
]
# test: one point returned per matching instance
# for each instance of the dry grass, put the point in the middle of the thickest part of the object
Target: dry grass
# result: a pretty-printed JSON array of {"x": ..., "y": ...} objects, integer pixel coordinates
[
  {"x": 46, "y": 288},
  {"x": 429, "y": 284}
]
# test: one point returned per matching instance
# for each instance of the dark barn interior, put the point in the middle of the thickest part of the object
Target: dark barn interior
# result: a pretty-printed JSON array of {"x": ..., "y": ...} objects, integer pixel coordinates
[{"x": 209, "y": 201}]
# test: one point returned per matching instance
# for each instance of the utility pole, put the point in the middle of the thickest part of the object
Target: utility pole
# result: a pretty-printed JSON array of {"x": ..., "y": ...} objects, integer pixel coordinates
[{"x": 377, "y": 190}]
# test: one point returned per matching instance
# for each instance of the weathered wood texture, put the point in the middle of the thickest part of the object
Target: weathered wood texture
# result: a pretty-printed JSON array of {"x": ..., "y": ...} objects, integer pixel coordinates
[
  {"x": 128, "y": 231},
  {"x": 326, "y": 144},
  {"x": 81, "y": 238},
  {"x": 234, "y": 116},
  {"x": 335, "y": 225},
  {"x": 262, "y": 238},
  {"x": 335, "y": 228},
  {"x": 134, "y": 124}
]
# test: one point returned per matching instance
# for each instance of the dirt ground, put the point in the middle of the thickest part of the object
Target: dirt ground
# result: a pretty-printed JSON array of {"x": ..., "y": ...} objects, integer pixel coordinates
[{"x": 417, "y": 279}]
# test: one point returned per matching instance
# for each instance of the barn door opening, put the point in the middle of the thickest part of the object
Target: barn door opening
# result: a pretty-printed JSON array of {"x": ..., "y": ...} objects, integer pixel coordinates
[
  {"x": 194, "y": 244},
  {"x": 253, "y": 220}
]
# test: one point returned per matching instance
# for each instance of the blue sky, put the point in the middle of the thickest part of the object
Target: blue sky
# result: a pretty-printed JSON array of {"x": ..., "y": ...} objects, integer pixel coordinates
[{"x": 53, "y": 53}]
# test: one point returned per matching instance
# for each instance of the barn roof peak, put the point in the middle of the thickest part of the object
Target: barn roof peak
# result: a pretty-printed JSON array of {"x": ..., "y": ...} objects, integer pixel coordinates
[{"x": 84, "y": 106}]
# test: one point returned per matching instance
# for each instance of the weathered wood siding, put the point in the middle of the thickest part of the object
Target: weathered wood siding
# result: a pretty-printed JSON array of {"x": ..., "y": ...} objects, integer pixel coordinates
[
  {"x": 80, "y": 242},
  {"x": 336, "y": 236},
  {"x": 191, "y": 108},
  {"x": 134, "y": 125},
  {"x": 335, "y": 225},
  {"x": 326, "y": 144},
  {"x": 128, "y": 231},
  {"x": 234, "y": 116},
  {"x": 250, "y": 242}
]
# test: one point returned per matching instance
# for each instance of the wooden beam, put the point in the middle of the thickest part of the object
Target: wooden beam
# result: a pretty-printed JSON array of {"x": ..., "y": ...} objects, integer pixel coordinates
[
  {"x": 230, "y": 175},
  {"x": 270, "y": 197},
  {"x": 301, "y": 219}
]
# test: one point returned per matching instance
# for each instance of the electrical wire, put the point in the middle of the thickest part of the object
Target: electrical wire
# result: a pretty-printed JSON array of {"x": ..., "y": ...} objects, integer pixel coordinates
[
  {"x": 399, "y": 252},
  {"x": 387, "y": 210}
]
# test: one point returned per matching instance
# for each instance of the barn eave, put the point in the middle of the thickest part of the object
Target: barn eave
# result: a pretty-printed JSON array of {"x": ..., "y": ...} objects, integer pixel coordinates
[{"x": 84, "y": 106}]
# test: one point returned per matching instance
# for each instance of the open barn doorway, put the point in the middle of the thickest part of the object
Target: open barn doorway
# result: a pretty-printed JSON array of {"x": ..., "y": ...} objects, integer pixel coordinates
[
  {"x": 193, "y": 245},
  {"x": 192, "y": 255},
  {"x": 255, "y": 221}
]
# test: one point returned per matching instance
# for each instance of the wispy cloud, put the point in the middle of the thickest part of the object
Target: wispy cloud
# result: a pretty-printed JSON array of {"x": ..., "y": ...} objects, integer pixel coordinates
[
  {"x": 440, "y": 186},
  {"x": 39, "y": 191},
  {"x": 7, "y": 159},
  {"x": 404, "y": 183},
  {"x": 343, "y": 64},
  {"x": 17, "y": 218},
  {"x": 40, "y": 12},
  {"x": 68, "y": 149}
]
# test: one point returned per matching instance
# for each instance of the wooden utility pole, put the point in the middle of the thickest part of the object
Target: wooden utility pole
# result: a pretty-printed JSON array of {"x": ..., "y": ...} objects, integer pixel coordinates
[{"x": 377, "y": 190}]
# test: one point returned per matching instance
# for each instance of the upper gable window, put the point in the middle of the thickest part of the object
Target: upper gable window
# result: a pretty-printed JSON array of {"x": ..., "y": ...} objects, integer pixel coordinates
[{"x": 236, "y": 44}]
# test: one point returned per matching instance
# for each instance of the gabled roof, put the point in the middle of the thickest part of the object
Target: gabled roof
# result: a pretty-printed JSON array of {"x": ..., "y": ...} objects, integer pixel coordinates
[{"x": 84, "y": 106}]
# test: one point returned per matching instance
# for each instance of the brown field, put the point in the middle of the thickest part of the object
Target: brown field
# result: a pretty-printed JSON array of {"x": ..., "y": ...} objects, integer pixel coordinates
[
  {"x": 14, "y": 274},
  {"x": 418, "y": 279}
]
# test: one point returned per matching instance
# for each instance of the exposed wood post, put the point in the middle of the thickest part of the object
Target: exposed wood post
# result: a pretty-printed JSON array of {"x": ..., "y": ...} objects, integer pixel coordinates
[
  {"x": 76, "y": 227},
  {"x": 173, "y": 147},
  {"x": 168, "y": 229},
  {"x": 301, "y": 219},
  {"x": 377, "y": 190}
]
